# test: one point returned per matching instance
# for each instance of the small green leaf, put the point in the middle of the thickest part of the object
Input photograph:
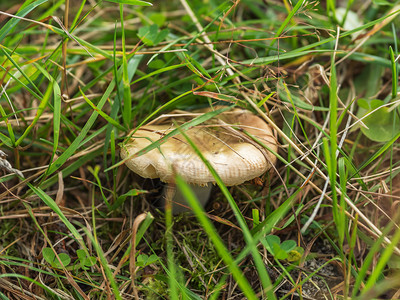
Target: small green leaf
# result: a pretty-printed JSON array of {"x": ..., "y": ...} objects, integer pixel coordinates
[
  {"x": 256, "y": 217},
  {"x": 161, "y": 36},
  {"x": 132, "y": 2},
  {"x": 363, "y": 103},
  {"x": 158, "y": 18},
  {"x": 121, "y": 199},
  {"x": 84, "y": 259},
  {"x": 382, "y": 124},
  {"x": 270, "y": 241},
  {"x": 141, "y": 260},
  {"x": 278, "y": 252},
  {"x": 152, "y": 259},
  {"x": 50, "y": 257},
  {"x": 151, "y": 36},
  {"x": 144, "y": 260},
  {"x": 288, "y": 245},
  {"x": 156, "y": 64}
]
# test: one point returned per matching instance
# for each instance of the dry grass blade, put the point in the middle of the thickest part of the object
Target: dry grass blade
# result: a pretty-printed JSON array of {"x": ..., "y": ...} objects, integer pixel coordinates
[{"x": 132, "y": 255}]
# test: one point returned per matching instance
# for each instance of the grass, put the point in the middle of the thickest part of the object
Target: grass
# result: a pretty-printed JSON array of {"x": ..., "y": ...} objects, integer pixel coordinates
[{"x": 78, "y": 78}]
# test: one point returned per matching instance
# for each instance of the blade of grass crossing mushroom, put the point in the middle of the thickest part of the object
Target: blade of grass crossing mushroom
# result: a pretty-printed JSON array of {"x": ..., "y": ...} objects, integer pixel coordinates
[
  {"x": 215, "y": 238},
  {"x": 260, "y": 266},
  {"x": 196, "y": 121}
]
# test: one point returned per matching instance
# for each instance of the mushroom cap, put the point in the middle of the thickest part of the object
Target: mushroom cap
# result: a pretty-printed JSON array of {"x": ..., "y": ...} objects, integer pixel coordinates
[{"x": 235, "y": 157}]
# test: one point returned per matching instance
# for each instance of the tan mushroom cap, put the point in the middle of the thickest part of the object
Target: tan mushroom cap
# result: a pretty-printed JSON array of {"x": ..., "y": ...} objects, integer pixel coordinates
[{"x": 235, "y": 157}]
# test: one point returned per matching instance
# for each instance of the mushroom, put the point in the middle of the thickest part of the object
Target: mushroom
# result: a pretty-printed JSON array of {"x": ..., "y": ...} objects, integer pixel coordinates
[{"x": 234, "y": 155}]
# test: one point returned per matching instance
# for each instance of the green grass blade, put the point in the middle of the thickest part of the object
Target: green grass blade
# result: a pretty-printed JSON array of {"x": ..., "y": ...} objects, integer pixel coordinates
[
  {"x": 262, "y": 272},
  {"x": 173, "y": 276},
  {"x": 53, "y": 205},
  {"x": 378, "y": 153},
  {"x": 56, "y": 116},
  {"x": 11, "y": 139},
  {"x": 21, "y": 71},
  {"x": 212, "y": 233},
  {"x": 42, "y": 106},
  {"x": 395, "y": 79},
  {"x": 287, "y": 20},
  {"x": 23, "y": 277},
  {"x": 383, "y": 260},
  {"x": 131, "y": 2},
  {"x": 127, "y": 107},
  {"x": 14, "y": 21},
  {"x": 159, "y": 71},
  {"x": 369, "y": 260},
  {"x": 33, "y": 93},
  {"x": 102, "y": 114},
  {"x": 103, "y": 260},
  {"x": 75, "y": 144},
  {"x": 332, "y": 165}
]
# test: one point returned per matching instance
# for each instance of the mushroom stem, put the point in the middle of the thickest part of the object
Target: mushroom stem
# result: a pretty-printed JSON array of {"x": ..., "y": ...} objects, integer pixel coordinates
[{"x": 179, "y": 203}]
